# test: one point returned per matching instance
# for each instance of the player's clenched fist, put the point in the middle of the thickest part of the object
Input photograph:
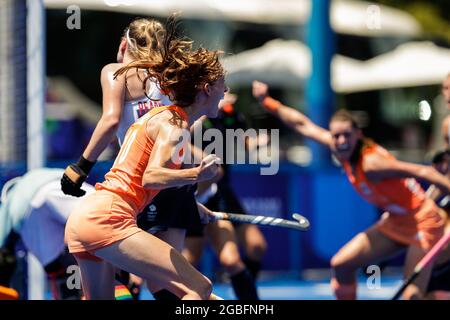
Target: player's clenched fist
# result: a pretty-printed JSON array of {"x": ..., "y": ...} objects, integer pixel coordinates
[
  {"x": 209, "y": 167},
  {"x": 74, "y": 176}
]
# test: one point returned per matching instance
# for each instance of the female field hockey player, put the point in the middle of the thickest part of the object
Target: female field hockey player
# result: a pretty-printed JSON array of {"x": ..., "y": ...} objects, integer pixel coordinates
[
  {"x": 125, "y": 101},
  {"x": 224, "y": 236},
  {"x": 411, "y": 220},
  {"x": 102, "y": 231}
]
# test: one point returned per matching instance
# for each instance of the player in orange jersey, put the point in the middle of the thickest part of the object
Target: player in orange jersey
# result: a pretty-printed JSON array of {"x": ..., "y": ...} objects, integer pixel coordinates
[
  {"x": 411, "y": 220},
  {"x": 125, "y": 100},
  {"x": 102, "y": 232}
]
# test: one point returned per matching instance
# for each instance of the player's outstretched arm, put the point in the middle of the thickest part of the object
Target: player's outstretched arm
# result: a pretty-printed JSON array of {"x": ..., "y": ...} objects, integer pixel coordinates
[
  {"x": 290, "y": 116},
  {"x": 378, "y": 168}
]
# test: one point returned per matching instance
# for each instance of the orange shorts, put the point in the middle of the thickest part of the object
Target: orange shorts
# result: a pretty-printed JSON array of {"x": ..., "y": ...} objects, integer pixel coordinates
[
  {"x": 424, "y": 227},
  {"x": 100, "y": 220}
]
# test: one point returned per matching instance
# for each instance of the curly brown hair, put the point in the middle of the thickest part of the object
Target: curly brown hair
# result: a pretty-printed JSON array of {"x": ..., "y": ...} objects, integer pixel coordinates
[
  {"x": 144, "y": 36},
  {"x": 179, "y": 70}
]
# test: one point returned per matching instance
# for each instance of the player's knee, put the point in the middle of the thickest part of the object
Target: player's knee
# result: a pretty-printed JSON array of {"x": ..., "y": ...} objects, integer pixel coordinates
[
  {"x": 232, "y": 262},
  {"x": 334, "y": 262},
  {"x": 412, "y": 292},
  {"x": 260, "y": 247},
  {"x": 256, "y": 249},
  {"x": 339, "y": 265}
]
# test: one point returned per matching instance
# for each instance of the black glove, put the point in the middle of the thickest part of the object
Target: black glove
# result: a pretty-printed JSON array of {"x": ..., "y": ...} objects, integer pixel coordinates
[{"x": 74, "y": 176}]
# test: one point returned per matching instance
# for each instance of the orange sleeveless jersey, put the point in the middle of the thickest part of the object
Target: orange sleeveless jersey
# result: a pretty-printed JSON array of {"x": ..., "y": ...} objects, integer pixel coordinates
[
  {"x": 125, "y": 176},
  {"x": 396, "y": 195}
]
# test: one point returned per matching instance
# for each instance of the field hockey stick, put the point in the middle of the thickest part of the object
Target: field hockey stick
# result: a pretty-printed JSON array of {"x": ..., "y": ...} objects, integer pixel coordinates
[
  {"x": 299, "y": 222},
  {"x": 423, "y": 264},
  {"x": 425, "y": 261}
]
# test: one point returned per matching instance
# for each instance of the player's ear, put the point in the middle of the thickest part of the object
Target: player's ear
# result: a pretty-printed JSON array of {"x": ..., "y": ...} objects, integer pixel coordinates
[
  {"x": 123, "y": 46},
  {"x": 207, "y": 88},
  {"x": 121, "y": 51}
]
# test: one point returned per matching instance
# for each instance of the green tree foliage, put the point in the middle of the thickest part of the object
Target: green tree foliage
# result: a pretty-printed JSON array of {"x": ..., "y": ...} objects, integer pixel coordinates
[{"x": 434, "y": 15}]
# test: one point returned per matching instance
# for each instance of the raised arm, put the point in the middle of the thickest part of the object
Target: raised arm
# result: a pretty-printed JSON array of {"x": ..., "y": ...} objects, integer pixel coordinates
[
  {"x": 290, "y": 116},
  {"x": 160, "y": 172},
  {"x": 378, "y": 168}
]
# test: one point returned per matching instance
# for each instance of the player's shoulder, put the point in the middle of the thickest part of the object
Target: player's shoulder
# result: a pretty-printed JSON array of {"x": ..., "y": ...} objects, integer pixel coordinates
[
  {"x": 173, "y": 119},
  {"x": 168, "y": 122},
  {"x": 110, "y": 69},
  {"x": 165, "y": 124}
]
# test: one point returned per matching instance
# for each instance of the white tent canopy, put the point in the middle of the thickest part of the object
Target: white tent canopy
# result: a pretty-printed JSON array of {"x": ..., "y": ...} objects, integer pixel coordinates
[
  {"x": 287, "y": 63},
  {"x": 410, "y": 64},
  {"x": 347, "y": 16}
]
